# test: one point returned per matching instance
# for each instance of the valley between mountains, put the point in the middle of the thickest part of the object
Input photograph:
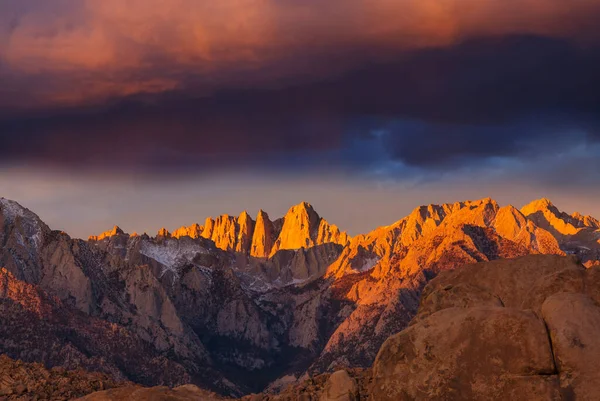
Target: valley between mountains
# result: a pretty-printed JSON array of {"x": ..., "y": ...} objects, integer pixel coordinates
[{"x": 241, "y": 305}]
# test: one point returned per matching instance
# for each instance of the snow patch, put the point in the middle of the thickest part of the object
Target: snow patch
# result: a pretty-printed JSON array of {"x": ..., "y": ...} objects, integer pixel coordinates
[
  {"x": 253, "y": 283},
  {"x": 172, "y": 254},
  {"x": 368, "y": 264}
]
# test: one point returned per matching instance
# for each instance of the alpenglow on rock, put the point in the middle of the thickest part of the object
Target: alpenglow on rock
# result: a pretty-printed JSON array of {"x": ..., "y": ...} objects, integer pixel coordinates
[{"x": 301, "y": 227}]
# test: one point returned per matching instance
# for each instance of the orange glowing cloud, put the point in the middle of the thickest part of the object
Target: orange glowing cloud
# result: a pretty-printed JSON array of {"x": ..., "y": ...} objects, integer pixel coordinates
[{"x": 100, "y": 49}]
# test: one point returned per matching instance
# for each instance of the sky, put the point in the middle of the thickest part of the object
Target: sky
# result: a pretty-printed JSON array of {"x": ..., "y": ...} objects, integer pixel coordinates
[{"x": 152, "y": 113}]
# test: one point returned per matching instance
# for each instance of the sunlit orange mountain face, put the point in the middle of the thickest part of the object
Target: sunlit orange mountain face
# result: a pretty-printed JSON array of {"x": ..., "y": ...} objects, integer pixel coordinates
[{"x": 191, "y": 127}]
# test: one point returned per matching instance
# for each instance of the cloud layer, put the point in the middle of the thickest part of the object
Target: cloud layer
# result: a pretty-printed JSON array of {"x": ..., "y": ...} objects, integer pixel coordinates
[{"x": 354, "y": 85}]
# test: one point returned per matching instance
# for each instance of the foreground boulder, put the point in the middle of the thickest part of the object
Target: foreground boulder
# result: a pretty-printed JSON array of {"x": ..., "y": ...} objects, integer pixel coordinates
[
  {"x": 340, "y": 387},
  {"x": 518, "y": 329},
  {"x": 574, "y": 324},
  {"x": 468, "y": 354}
]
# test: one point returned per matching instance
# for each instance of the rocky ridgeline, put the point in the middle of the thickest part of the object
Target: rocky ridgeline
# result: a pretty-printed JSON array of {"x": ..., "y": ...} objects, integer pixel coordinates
[
  {"x": 351, "y": 385},
  {"x": 32, "y": 381},
  {"x": 185, "y": 308},
  {"x": 301, "y": 227}
]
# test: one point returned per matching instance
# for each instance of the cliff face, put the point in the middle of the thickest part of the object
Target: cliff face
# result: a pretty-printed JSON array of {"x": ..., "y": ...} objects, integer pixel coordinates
[
  {"x": 236, "y": 303},
  {"x": 263, "y": 236}
]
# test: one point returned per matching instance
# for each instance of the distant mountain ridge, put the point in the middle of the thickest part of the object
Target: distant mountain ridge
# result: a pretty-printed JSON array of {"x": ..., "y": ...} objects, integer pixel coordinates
[
  {"x": 237, "y": 303},
  {"x": 301, "y": 227}
]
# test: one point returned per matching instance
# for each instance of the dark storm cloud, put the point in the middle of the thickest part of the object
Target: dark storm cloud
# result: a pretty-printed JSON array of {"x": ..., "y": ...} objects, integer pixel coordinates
[
  {"x": 481, "y": 98},
  {"x": 111, "y": 85}
]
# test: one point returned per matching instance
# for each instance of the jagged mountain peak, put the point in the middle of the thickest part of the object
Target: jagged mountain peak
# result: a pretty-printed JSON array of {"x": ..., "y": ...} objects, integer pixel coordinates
[
  {"x": 262, "y": 215},
  {"x": 11, "y": 210},
  {"x": 538, "y": 205},
  {"x": 303, "y": 228},
  {"x": 300, "y": 227},
  {"x": 301, "y": 210},
  {"x": 548, "y": 216},
  {"x": 115, "y": 231},
  {"x": 21, "y": 223},
  {"x": 304, "y": 205},
  {"x": 164, "y": 233},
  {"x": 194, "y": 231}
]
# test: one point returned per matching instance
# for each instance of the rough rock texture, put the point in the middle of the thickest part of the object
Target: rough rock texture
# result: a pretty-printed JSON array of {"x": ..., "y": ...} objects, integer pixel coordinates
[
  {"x": 229, "y": 308},
  {"x": 301, "y": 227},
  {"x": 263, "y": 236},
  {"x": 519, "y": 329},
  {"x": 477, "y": 353},
  {"x": 384, "y": 272},
  {"x": 182, "y": 393},
  {"x": 37, "y": 327},
  {"x": 574, "y": 324},
  {"x": 340, "y": 387},
  {"x": 576, "y": 234},
  {"x": 94, "y": 309},
  {"x": 343, "y": 385},
  {"x": 29, "y": 381},
  {"x": 116, "y": 231},
  {"x": 522, "y": 283}
]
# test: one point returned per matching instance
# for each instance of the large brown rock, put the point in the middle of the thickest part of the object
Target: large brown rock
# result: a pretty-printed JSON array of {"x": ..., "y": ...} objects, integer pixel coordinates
[
  {"x": 518, "y": 329},
  {"x": 522, "y": 283},
  {"x": 482, "y": 353},
  {"x": 574, "y": 324},
  {"x": 340, "y": 387}
]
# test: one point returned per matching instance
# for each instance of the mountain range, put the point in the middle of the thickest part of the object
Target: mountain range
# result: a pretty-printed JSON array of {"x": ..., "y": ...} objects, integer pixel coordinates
[{"x": 237, "y": 305}]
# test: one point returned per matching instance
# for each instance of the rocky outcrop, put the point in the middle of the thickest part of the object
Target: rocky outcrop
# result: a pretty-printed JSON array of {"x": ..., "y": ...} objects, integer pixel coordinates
[
  {"x": 29, "y": 381},
  {"x": 182, "y": 393},
  {"x": 522, "y": 283},
  {"x": 340, "y": 387},
  {"x": 116, "y": 231},
  {"x": 263, "y": 236},
  {"x": 343, "y": 385},
  {"x": 478, "y": 353},
  {"x": 509, "y": 329},
  {"x": 194, "y": 231},
  {"x": 22, "y": 237},
  {"x": 573, "y": 321},
  {"x": 304, "y": 228}
]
